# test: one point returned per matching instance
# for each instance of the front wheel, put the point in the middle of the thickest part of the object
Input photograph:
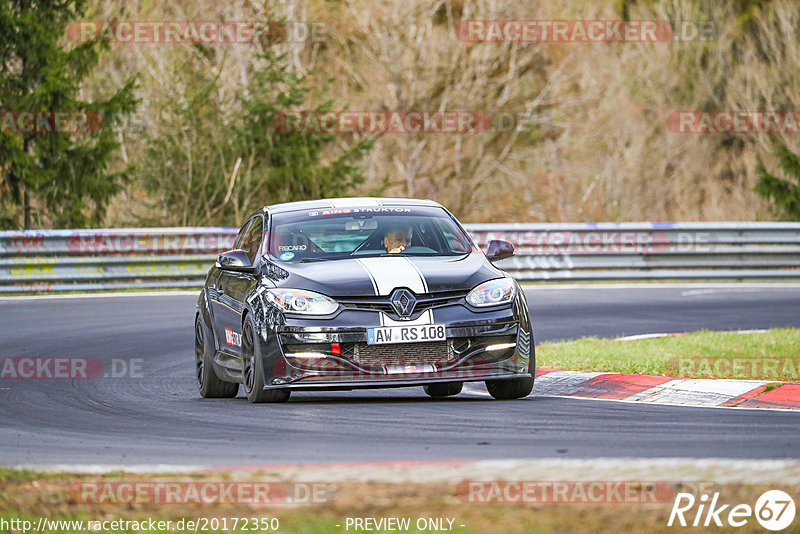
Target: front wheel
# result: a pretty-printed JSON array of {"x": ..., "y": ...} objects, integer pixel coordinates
[
  {"x": 253, "y": 369},
  {"x": 443, "y": 390},
  {"x": 209, "y": 384},
  {"x": 511, "y": 388}
]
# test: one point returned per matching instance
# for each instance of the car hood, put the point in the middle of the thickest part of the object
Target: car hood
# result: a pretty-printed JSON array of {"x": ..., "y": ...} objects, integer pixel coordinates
[{"x": 370, "y": 276}]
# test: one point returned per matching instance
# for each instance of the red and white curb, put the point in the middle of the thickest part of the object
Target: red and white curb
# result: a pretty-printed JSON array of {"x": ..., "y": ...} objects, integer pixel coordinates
[{"x": 656, "y": 389}]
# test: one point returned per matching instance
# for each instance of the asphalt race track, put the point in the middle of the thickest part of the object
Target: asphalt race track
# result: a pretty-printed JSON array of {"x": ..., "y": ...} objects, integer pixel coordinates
[{"x": 159, "y": 418}]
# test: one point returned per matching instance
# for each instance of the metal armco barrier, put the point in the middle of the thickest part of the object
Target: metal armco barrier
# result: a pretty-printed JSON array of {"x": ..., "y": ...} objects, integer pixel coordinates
[
  {"x": 151, "y": 258},
  {"x": 86, "y": 260},
  {"x": 648, "y": 251}
]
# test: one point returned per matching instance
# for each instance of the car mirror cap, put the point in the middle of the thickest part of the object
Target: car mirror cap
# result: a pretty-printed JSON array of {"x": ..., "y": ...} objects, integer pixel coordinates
[
  {"x": 235, "y": 260},
  {"x": 499, "y": 250}
]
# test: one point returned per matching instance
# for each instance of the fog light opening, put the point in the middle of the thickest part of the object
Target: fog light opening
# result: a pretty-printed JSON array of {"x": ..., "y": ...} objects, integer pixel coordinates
[{"x": 460, "y": 346}]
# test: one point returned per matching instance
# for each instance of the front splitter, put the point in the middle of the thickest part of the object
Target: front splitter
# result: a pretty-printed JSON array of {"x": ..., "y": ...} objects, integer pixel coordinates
[{"x": 318, "y": 383}]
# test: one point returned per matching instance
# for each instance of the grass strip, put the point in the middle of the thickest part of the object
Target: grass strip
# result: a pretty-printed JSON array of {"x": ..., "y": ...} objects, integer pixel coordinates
[{"x": 771, "y": 355}]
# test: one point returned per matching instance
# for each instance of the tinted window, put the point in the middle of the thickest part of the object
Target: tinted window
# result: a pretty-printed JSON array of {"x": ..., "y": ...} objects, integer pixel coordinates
[
  {"x": 252, "y": 239},
  {"x": 454, "y": 236},
  {"x": 240, "y": 235},
  {"x": 359, "y": 232}
]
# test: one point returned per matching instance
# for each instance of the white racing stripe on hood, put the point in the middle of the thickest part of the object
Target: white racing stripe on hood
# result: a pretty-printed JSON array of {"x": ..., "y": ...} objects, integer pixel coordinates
[
  {"x": 369, "y": 273},
  {"x": 421, "y": 276},
  {"x": 388, "y": 273}
]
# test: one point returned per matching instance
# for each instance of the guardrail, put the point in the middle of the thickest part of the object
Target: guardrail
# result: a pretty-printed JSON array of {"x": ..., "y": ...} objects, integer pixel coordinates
[
  {"x": 152, "y": 258},
  {"x": 649, "y": 251},
  {"x": 87, "y": 260}
]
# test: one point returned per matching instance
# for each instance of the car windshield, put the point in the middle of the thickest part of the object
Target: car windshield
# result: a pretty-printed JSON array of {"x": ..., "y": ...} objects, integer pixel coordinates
[{"x": 306, "y": 236}]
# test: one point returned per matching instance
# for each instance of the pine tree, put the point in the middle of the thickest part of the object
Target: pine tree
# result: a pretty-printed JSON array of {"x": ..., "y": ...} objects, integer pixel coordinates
[
  {"x": 289, "y": 165},
  {"x": 784, "y": 193},
  {"x": 65, "y": 175},
  {"x": 220, "y": 155}
]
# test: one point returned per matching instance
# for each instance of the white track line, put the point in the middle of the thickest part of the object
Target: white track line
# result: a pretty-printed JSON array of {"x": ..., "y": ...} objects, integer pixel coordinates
[
  {"x": 655, "y": 404},
  {"x": 663, "y": 285},
  {"x": 104, "y": 295},
  {"x": 673, "y": 334},
  {"x": 527, "y": 286}
]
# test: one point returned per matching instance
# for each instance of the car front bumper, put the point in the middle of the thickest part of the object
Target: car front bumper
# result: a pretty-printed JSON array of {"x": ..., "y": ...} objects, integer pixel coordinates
[{"x": 308, "y": 354}]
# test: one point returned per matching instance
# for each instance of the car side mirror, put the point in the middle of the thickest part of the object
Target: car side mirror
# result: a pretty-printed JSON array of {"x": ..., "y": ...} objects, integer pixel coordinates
[
  {"x": 499, "y": 250},
  {"x": 235, "y": 260}
]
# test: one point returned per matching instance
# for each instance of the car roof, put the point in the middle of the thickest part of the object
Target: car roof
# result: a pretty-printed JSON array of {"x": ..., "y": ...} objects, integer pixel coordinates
[{"x": 353, "y": 202}]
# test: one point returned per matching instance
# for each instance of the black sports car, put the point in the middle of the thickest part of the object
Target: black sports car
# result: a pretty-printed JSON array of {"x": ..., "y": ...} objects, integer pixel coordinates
[{"x": 360, "y": 293}]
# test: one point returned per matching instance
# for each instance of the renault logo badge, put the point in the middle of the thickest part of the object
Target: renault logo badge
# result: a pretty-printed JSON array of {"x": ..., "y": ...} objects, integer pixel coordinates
[{"x": 403, "y": 302}]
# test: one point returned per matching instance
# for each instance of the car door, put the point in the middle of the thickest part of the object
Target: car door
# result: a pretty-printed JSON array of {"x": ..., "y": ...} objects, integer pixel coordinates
[{"x": 233, "y": 287}]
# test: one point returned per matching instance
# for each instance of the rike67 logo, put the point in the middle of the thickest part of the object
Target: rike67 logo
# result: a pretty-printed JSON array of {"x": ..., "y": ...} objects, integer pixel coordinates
[{"x": 774, "y": 510}]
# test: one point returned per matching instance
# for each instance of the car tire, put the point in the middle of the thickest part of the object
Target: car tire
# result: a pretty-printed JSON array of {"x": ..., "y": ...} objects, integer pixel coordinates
[
  {"x": 511, "y": 388},
  {"x": 443, "y": 390},
  {"x": 209, "y": 384},
  {"x": 253, "y": 369}
]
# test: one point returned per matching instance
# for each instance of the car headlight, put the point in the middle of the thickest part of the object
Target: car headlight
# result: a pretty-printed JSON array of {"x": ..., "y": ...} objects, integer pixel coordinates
[
  {"x": 301, "y": 301},
  {"x": 492, "y": 293}
]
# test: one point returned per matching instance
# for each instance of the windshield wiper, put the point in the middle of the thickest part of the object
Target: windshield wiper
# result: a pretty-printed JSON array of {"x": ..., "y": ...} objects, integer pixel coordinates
[{"x": 311, "y": 260}]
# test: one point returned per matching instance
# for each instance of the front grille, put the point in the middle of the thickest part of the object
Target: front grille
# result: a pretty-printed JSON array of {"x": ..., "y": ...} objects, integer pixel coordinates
[
  {"x": 424, "y": 301},
  {"x": 434, "y": 353}
]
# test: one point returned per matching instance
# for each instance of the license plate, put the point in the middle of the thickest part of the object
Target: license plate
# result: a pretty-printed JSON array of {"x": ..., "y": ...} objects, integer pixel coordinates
[{"x": 405, "y": 334}]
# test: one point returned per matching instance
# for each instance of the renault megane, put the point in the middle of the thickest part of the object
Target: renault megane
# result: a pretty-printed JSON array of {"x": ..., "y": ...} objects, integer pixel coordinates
[{"x": 354, "y": 293}]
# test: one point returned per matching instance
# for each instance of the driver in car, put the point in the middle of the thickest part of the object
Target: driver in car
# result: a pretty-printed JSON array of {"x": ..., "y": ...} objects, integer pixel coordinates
[{"x": 397, "y": 239}]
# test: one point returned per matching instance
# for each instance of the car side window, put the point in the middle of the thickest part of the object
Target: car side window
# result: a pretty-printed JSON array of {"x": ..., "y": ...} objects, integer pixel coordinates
[
  {"x": 240, "y": 235},
  {"x": 454, "y": 243},
  {"x": 252, "y": 239}
]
